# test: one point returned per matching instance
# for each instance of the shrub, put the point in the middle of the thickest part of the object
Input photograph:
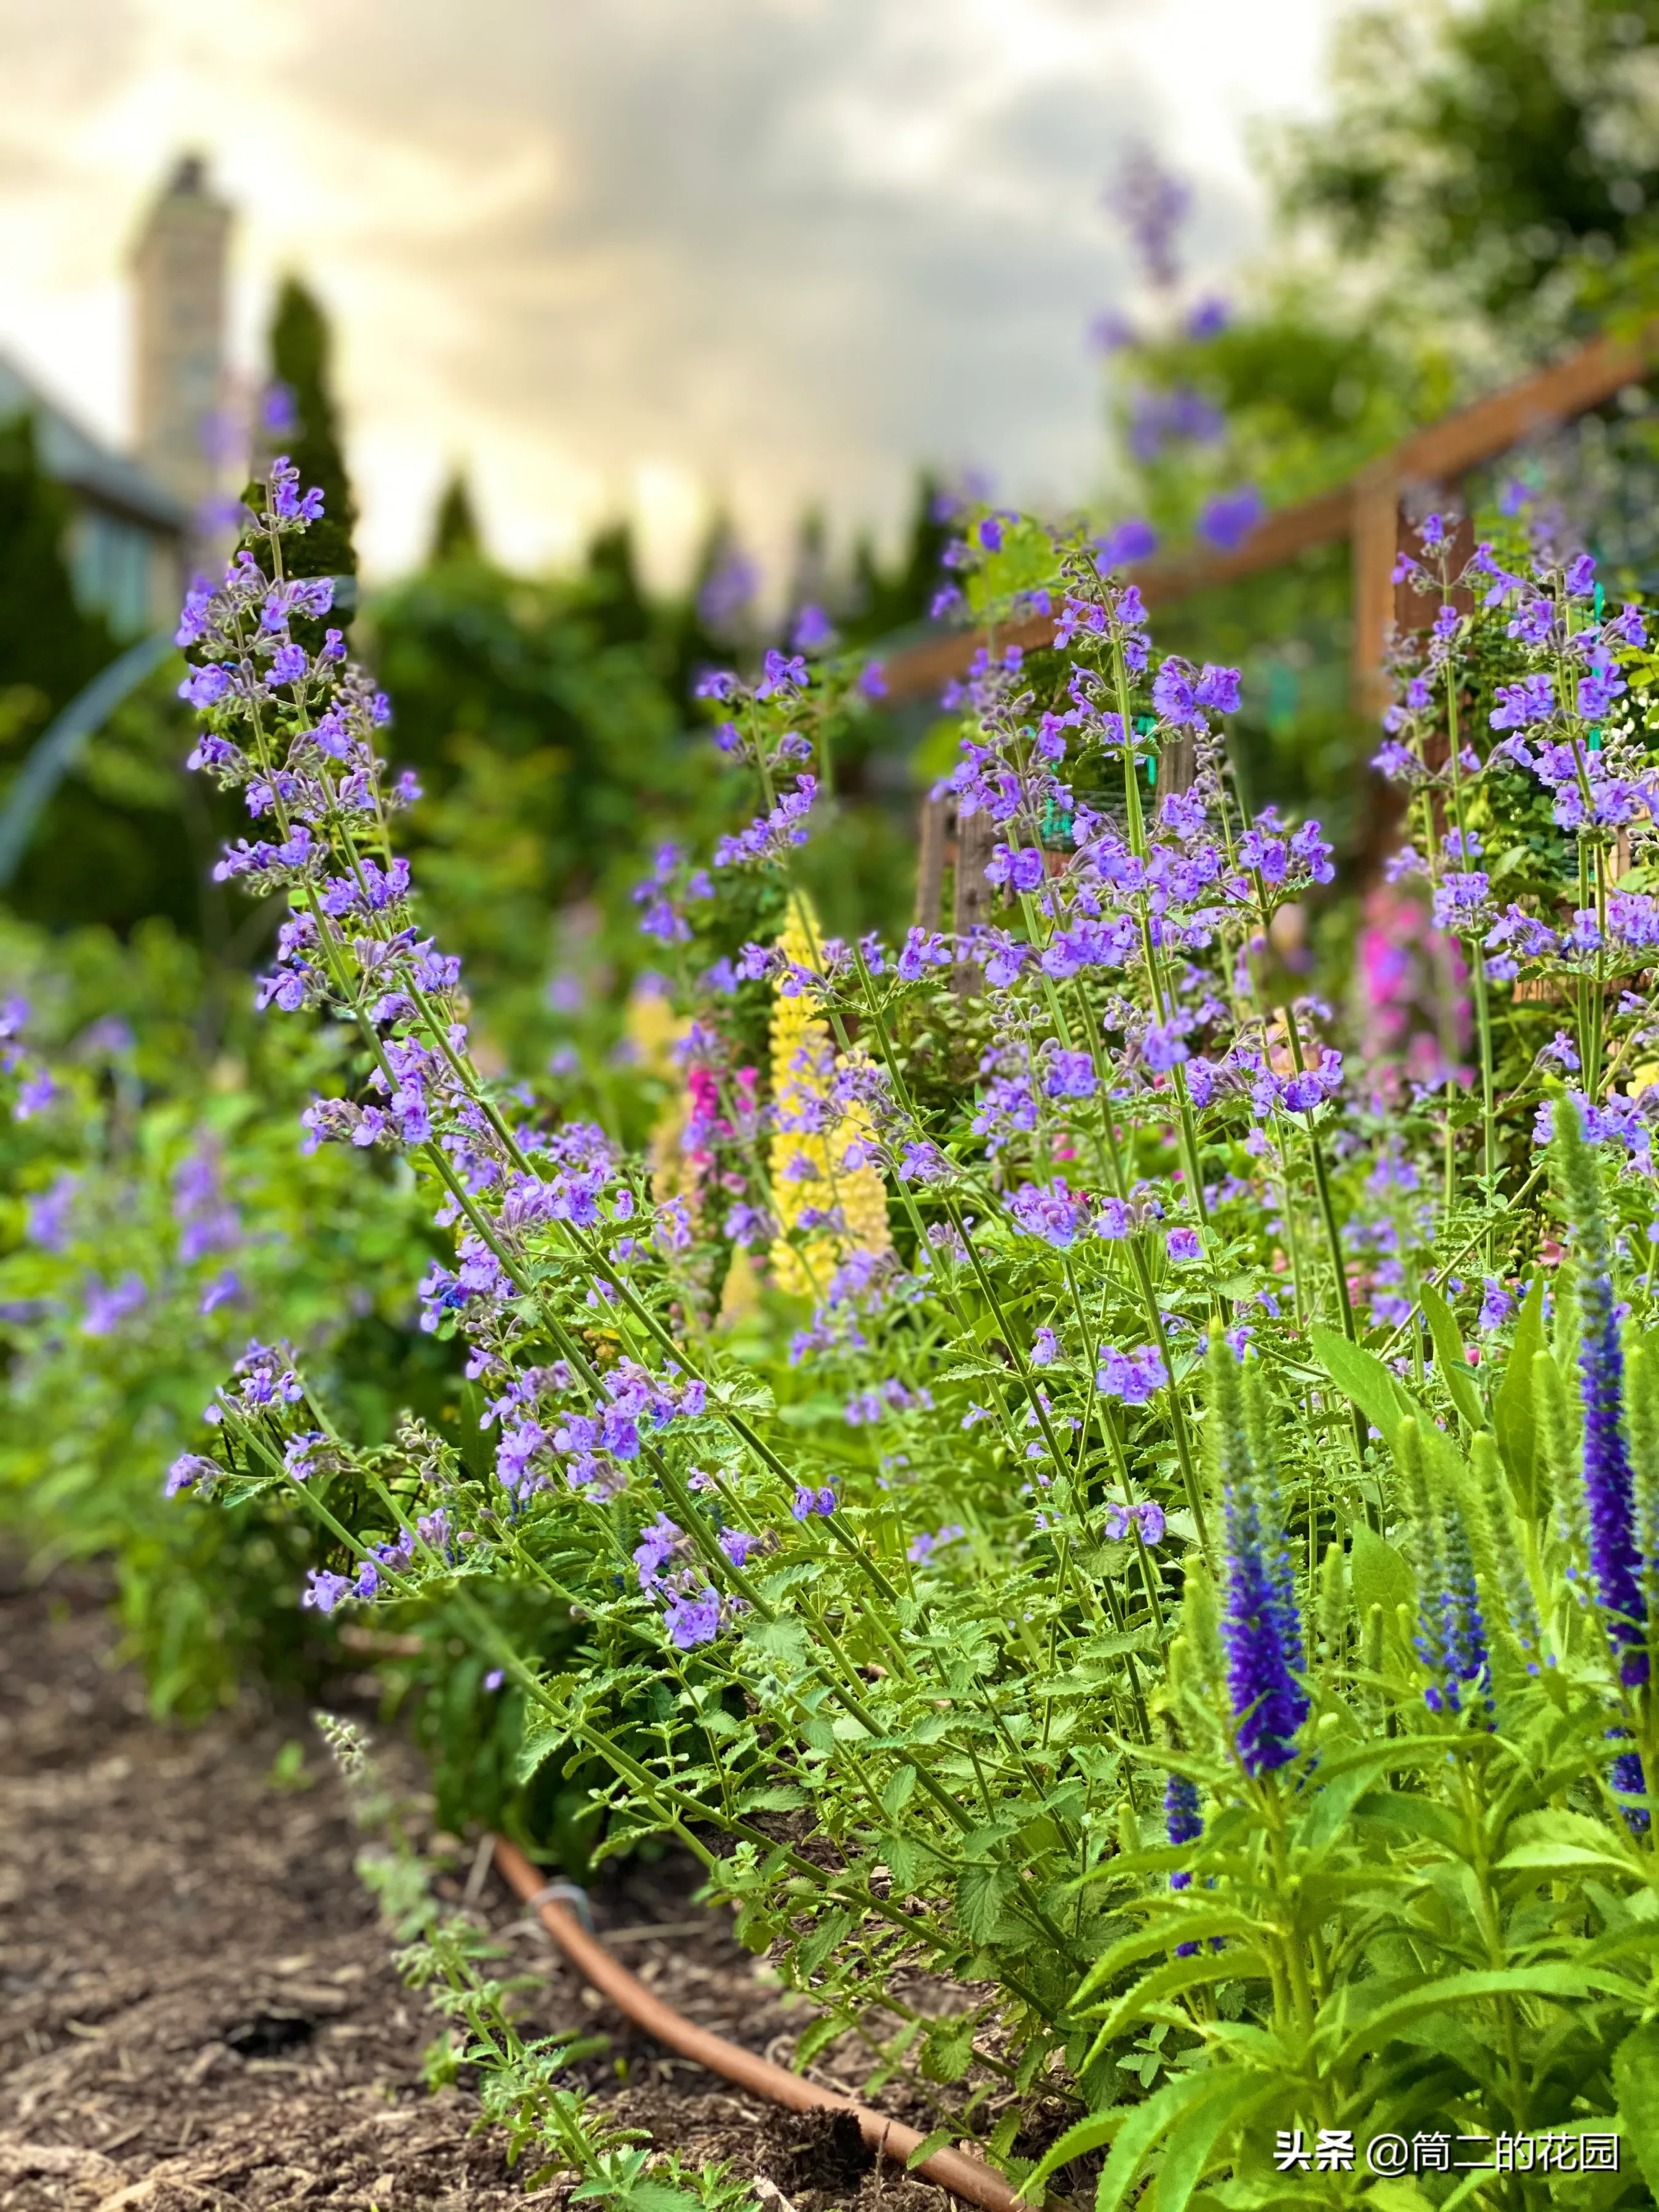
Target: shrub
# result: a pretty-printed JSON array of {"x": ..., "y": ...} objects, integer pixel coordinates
[{"x": 1183, "y": 1570}]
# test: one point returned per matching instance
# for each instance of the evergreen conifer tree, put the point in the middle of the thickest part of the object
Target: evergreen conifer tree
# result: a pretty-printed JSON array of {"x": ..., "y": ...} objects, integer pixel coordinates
[
  {"x": 455, "y": 534},
  {"x": 47, "y": 644},
  {"x": 301, "y": 350}
]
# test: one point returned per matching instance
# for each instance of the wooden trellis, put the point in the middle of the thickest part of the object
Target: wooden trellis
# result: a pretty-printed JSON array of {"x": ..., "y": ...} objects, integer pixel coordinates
[{"x": 1369, "y": 510}]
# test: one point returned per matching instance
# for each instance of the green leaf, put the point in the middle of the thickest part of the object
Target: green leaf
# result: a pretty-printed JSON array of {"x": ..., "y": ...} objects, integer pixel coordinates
[
  {"x": 542, "y": 1737},
  {"x": 1378, "y": 1575},
  {"x": 1361, "y": 1376},
  {"x": 1079, "y": 2139},
  {"x": 1452, "y": 1357},
  {"x": 941, "y": 2139},
  {"x": 818, "y": 2037},
  {"x": 1544, "y": 1855},
  {"x": 1636, "y": 2085},
  {"x": 1194, "y": 2138},
  {"x": 1173, "y": 1979},
  {"x": 1559, "y": 1982},
  {"x": 1514, "y": 1422},
  {"x": 783, "y": 1638},
  {"x": 982, "y": 1892},
  {"x": 949, "y": 2050},
  {"x": 1147, "y": 2122},
  {"x": 895, "y": 1794}
]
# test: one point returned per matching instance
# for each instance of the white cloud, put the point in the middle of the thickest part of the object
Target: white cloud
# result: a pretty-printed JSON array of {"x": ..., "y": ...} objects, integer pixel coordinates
[{"x": 610, "y": 250}]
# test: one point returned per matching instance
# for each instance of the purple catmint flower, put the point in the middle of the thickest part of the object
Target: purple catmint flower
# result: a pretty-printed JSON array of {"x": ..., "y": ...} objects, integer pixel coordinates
[
  {"x": 809, "y": 1501},
  {"x": 1497, "y": 1304},
  {"x": 1520, "y": 705},
  {"x": 693, "y": 1618},
  {"x": 1050, "y": 1211},
  {"x": 923, "y": 948},
  {"x": 1147, "y": 1519},
  {"x": 781, "y": 672},
  {"x": 1130, "y": 540},
  {"x": 1614, "y": 1559},
  {"x": 1182, "y": 1244},
  {"x": 1131, "y": 1375},
  {"x": 924, "y": 1546},
  {"x": 738, "y": 1543},
  {"x": 1069, "y": 1075},
  {"x": 656, "y": 1546},
  {"x": 1022, "y": 870},
  {"x": 188, "y": 1469},
  {"x": 46, "y": 1218},
  {"x": 325, "y": 1590},
  {"x": 1045, "y": 1347}
]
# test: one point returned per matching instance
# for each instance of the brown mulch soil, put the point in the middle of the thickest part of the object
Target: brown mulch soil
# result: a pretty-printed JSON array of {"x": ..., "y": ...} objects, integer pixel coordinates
[{"x": 197, "y": 2009}]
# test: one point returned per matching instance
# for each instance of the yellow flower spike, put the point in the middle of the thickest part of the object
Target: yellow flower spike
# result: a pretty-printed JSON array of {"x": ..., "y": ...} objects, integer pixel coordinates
[{"x": 802, "y": 1063}]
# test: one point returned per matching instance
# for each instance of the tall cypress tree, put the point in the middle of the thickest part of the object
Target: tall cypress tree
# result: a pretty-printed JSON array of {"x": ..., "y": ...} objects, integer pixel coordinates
[
  {"x": 300, "y": 347},
  {"x": 455, "y": 535}
]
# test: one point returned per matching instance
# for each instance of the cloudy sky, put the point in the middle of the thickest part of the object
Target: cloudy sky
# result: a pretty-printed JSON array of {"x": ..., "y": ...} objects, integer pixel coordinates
[{"x": 638, "y": 255}]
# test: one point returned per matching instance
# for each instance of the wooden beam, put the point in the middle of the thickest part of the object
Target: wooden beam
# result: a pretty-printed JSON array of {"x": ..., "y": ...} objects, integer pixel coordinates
[
  {"x": 1437, "y": 455},
  {"x": 1479, "y": 432},
  {"x": 922, "y": 668}
]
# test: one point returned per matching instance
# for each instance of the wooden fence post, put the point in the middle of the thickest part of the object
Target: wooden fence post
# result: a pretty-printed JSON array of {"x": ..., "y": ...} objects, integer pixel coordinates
[
  {"x": 1376, "y": 546},
  {"x": 938, "y": 825}
]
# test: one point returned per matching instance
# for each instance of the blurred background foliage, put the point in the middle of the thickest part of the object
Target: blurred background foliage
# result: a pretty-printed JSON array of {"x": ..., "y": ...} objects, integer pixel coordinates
[{"x": 1485, "y": 190}]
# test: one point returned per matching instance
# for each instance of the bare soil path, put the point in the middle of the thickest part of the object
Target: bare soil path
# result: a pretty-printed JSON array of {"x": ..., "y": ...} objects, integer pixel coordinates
[{"x": 197, "y": 2009}]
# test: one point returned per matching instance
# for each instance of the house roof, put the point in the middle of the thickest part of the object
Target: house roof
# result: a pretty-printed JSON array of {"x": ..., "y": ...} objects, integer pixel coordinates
[{"x": 75, "y": 458}]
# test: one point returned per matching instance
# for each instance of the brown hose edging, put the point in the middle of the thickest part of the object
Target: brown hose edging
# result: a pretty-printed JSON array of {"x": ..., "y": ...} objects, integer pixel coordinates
[{"x": 951, "y": 2169}]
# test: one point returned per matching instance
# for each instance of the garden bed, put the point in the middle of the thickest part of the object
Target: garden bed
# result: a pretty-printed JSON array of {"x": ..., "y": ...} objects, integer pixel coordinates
[{"x": 197, "y": 2007}]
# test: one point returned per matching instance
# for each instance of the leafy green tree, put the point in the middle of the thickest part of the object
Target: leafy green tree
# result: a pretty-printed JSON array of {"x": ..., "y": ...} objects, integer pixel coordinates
[{"x": 1507, "y": 149}]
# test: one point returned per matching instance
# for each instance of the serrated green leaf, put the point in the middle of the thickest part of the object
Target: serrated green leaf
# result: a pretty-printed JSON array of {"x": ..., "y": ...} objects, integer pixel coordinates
[
  {"x": 543, "y": 1735},
  {"x": 1079, "y": 2139},
  {"x": 948, "y": 2051},
  {"x": 830, "y": 1931},
  {"x": 897, "y": 1791},
  {"x": 818, "y": 2037},
  {"x": 782, "y": 1639},
  {"x": 1193, "y": 2140},
  {"x": 1542, "y": 1856},
  {"x": 941, "y": 2139},
  {"x": 1636, "y": 2085},
  {"x": 983, "y": 1895},
  {"x": 1561, "y": 1983},
  {"x": 1452, "y": 1357}
]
